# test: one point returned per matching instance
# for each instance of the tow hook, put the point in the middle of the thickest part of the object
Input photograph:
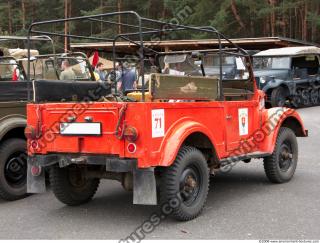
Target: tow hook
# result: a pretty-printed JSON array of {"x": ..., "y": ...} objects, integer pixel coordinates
[
  {"x": 64, "y": 162},
  {"x": 80, "y": 160}
]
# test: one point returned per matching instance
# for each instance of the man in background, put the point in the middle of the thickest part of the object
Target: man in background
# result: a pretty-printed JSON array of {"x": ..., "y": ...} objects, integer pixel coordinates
[
  {"x": 67, "y": 72},
  {"x": 128, "y": 78},
  {"x": 101, "y": 72}
]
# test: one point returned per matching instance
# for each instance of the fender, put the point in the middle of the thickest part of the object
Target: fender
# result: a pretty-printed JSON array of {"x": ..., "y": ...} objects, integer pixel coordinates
[
  {"x": 176, "y": 136},
  {"x": 10, "y": 122},
  {"x": 281, "y": 117},
  {"x": 274, "y": 84}
]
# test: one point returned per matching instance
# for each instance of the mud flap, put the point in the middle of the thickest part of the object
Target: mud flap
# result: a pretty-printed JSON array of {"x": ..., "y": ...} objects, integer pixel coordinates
[
  {"x": 36, "y": 184},
  {"x": 144, "y": 187}
]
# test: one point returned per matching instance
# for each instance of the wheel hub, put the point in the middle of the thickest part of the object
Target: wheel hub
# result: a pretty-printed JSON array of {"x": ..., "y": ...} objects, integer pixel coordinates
[
  {"x": 286, "y": 157},
  {"x": 76, "y": 177},
  {"x": 314, "y": 96},
  {"x": 15, "y": 169},
  {"x": 189, "y": 185}
]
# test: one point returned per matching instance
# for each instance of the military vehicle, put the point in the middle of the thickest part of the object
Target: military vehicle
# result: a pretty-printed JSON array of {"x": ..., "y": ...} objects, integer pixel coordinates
[
  {"x": 187, "y": 123},
  {"x": 13, "y": 100},
  {"x": 289, "y": 76}
]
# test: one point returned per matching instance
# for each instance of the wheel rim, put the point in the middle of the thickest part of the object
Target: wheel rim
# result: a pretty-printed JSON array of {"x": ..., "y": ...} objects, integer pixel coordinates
[
  {"x": 77, "y": 178},
  {"x": 306, "y": 96},
  {"x": 281, "y": 100},
  {"x": 285, "y": 157},
  {"x": 190, "y": 185},
  {"x": 314, "y": 97},
  {"x": 15, "y": 169}
]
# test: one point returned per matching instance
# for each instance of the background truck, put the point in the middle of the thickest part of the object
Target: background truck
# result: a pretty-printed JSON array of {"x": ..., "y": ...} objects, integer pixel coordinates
[
  {"x": 192, "y": 125},
  {"x": 289, "y": 76},
  {"x": 13, "y": 100},
  {"x": 13, "y": 157}
]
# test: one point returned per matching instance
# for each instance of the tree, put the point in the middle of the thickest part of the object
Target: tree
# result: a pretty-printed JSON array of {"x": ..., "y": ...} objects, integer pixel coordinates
[{"x": 235, "y": 18}]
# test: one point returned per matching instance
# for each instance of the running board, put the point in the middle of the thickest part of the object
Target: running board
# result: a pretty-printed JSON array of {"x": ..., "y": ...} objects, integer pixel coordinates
[{"x": 255, "y": 155}]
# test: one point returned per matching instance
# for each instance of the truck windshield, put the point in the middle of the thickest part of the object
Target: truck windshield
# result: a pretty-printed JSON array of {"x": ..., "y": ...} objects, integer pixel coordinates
[
  {"x": 212, "y": 65},
  {"x": 263, "y": 63},
  {"x": 185, "y": 65},
  {"x": 49, "y": 67}
]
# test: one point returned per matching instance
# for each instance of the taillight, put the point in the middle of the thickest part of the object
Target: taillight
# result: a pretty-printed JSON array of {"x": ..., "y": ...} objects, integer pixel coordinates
[
  {"x": 131, "y": 148},
  {"x": 30, "y": 132},
  {"x": 36, "y": 170},
  {"x": 130, "y": 134},
  {"x": 34, "y": 144}
]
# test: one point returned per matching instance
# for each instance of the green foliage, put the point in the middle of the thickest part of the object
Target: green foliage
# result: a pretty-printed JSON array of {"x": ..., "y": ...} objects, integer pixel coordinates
[{"x": 235, "y": 18}]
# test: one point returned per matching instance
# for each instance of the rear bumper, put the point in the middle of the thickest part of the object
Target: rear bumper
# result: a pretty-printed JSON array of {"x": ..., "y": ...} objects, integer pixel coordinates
[
  {"x": 144, "y": 181},
  {"x": 113, "y": 164}
]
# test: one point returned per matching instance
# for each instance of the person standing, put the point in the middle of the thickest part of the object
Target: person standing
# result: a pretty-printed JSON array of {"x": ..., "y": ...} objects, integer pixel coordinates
[
  {"x": 100, "y": 71},
  {"x": 128, "y": 78},
  {"x": 67, "y": 72}
]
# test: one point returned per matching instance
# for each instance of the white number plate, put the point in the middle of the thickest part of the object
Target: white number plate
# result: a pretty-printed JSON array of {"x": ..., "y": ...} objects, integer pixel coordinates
[{"x": 93, "y": 129}]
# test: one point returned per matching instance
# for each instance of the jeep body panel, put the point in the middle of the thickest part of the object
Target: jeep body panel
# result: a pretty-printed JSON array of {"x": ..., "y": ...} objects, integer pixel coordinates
[{"x": 218, "y": 121}]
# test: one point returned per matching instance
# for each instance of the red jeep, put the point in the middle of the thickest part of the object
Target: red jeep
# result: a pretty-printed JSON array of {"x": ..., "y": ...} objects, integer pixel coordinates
[{"x": 191, "y": 114}]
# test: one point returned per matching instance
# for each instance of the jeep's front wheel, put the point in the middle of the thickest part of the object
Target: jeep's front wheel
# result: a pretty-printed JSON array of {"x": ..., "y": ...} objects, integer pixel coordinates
[
  {"x": 185, "y": 184},
  {"x": 13, "y": 169},
  {"x": 281, "y": 165},
  {"x": 70, "y": 185}
]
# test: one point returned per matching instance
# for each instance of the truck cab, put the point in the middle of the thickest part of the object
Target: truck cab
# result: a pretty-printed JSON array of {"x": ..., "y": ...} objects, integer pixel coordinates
[{"x": 289, "y": 76}]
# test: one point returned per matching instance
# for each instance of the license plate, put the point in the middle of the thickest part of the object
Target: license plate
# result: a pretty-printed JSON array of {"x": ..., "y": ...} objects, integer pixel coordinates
[{"x": 78, "y": 129}]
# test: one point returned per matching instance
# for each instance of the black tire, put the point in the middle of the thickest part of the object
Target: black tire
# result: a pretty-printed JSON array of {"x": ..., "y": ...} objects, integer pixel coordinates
[
  {"x": 314, "y": 97},
  {"x": 13, "y": 169},
  {"x": 186, "y": 182},
  {"x": 278, "y": 97},
  {"x": 71, "y": 187},
  {"x": 281, "y": 165}
]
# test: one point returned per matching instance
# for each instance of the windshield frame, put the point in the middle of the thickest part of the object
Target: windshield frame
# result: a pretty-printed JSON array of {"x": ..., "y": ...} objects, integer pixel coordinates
[{"x": 272, "y": 57}]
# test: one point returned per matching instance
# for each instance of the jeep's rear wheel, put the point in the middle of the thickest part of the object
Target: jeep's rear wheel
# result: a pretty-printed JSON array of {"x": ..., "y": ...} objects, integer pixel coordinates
[
  {"x": 71, "y": 186},
  {"x": 13, "y": 169},
  {"x": 281, "y": 165},
  {"x": 185, "y": 184},
  {"x": 278, "y": 97}
]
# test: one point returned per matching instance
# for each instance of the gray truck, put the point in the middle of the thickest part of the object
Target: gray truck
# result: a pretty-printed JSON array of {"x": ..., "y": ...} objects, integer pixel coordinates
[{"x": 289, "y": 76}]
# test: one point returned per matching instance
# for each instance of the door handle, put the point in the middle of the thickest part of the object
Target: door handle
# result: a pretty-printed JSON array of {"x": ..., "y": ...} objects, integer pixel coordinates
[{"x": 228, "y": 117}]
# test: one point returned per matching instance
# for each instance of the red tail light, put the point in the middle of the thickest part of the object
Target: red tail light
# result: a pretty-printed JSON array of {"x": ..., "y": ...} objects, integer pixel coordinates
[
  {"x": 132, "y": 148},
  {"x": 30, "y": 132},
  {"x": 34, "y": 144},
  {"x": 131, "y": 134},
  {"x": 36, "y": 170}
]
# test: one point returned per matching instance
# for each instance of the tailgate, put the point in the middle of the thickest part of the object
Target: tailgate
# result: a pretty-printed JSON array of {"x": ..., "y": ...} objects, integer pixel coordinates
[{"x": 77, "y": 128}]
